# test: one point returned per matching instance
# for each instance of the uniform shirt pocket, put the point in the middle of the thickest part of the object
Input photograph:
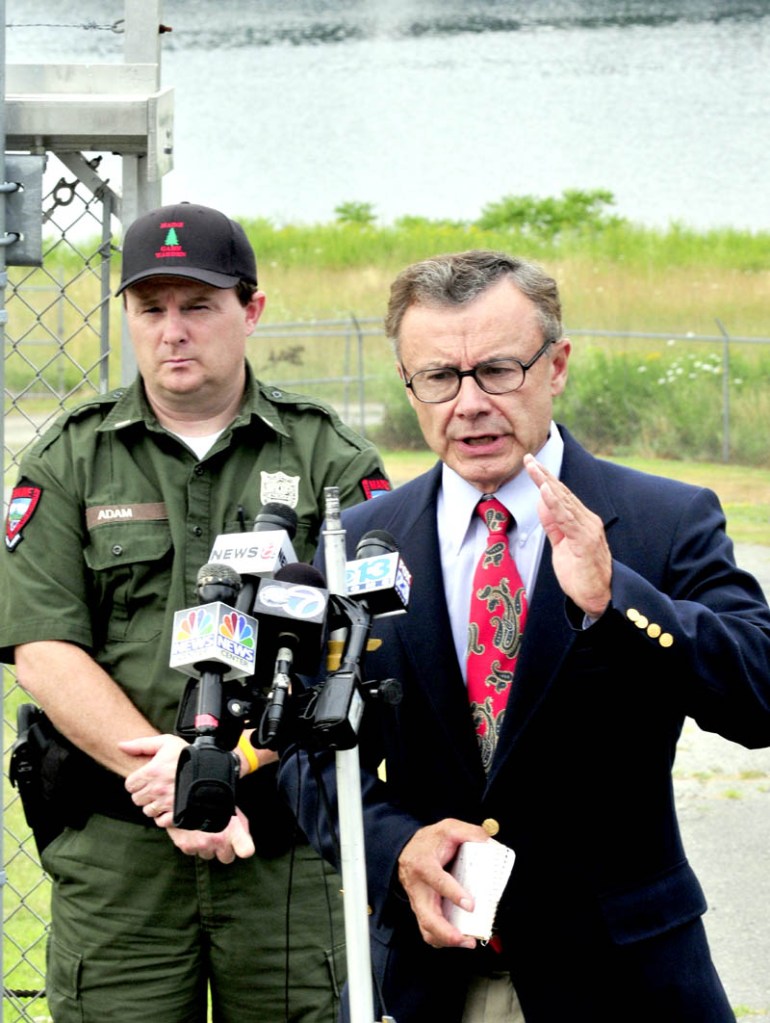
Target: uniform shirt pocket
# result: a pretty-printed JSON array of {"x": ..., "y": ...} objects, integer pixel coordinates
[{"x": 130, "y": 569}]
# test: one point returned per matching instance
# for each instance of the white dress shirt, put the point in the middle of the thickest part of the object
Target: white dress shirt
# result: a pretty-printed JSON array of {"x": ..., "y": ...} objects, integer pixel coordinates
[{"x": 462, "y": 534}]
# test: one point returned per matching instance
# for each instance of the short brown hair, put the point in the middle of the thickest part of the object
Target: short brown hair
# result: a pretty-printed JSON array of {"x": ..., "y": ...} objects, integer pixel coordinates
[{"x": 458, "y": 277}]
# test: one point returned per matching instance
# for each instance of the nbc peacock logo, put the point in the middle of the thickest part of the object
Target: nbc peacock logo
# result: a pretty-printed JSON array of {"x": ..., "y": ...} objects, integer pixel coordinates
[
  {"x": 213, "y": 632},
  {"x": 236, "y": 629},
  {"x": 196, "y": 625}
]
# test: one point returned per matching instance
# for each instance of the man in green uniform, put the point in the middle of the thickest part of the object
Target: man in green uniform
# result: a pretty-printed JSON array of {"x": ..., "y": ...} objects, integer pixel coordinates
[{"x": 115, "y": 511}]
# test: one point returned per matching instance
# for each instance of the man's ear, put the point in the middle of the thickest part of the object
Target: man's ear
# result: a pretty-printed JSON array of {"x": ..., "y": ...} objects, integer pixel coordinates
[
  {"x": 255, "y": 308},
  {"x": 559, "y": 361}
]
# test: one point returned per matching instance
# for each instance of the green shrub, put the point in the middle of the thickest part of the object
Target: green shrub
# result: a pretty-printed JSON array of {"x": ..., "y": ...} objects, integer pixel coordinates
[
  {"x": 355, "y": 213},
  {"x": 548, "y": 218},
  {"x": 667, "y": 403}
]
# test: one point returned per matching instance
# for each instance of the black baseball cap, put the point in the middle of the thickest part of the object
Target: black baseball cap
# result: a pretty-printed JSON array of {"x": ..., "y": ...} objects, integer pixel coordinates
[{"x": 185, "y": 240}]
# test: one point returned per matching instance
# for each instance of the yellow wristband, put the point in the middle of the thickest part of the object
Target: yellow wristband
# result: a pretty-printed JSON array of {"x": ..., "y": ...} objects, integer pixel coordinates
[{"x": 249, "y": 752}]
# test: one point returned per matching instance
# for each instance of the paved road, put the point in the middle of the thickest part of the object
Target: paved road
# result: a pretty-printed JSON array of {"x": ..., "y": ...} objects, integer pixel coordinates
[{"x": 723, "y": 798}]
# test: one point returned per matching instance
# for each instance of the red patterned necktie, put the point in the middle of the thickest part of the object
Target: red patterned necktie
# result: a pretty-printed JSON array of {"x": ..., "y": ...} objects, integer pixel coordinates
[{"x": 497, "y": 616}]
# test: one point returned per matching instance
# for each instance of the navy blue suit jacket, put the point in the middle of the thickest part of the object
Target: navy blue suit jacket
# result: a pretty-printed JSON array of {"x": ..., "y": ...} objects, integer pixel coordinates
[{"x": 602, "y": 913}]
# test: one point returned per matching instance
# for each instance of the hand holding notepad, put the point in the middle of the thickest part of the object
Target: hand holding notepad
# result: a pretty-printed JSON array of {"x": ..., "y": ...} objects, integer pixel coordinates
[{"x": 483, "y": 869}]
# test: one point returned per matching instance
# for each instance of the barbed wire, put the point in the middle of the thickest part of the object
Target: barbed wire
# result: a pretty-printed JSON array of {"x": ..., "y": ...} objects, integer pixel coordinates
[{"x": 116, "y": 26}]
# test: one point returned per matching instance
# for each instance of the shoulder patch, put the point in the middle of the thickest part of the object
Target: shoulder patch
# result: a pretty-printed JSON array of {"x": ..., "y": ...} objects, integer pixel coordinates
[
  {"x": 21, "y": 507},
  {"x": 375, "y": 486}
]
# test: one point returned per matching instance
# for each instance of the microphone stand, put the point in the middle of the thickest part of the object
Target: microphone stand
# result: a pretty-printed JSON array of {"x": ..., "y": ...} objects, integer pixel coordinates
[{"x": 355, "y": 896}]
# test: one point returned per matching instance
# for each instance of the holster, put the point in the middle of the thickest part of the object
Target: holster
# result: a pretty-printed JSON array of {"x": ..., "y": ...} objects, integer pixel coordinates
[{"x": 49, "y": 774}]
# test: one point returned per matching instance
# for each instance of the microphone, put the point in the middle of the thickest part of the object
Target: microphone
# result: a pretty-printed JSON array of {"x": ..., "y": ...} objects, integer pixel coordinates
[
  {"x": 374, "y": 543},
  {"x": 378, "y": 575},
  {"x": 214, "y": 636},
  {"x": 260, "y": 552},
  {"x": 212, "y": 642},
  {"x": 217, "y": 582},
  {"x": 276, "y": 516},
  {"x": 378, "y": 583},
  {"x": 291, "y": 611}
]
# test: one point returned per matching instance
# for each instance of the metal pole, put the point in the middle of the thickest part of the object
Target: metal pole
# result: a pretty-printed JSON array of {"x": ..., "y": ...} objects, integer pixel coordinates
[
  {"x": 105, "y": 290},
  {"x": 3, "y": 321},
  {"x": 355, "y": 896},
  {"x": 361, "y": 376},
  {"x": 140, "y": 195},
  {"x": 725, "y": 392}
]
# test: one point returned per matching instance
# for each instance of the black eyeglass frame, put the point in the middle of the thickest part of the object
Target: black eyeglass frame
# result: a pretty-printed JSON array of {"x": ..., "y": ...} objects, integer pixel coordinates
[{"x": 460, "y": 373}]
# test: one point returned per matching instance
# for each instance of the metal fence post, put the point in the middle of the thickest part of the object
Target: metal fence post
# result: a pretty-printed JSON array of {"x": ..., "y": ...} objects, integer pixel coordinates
[
  {"x": 361, "y": 374},
  {"x": 725, "y": 392},
  {"x": 142, "y": 185},
  {"x": 3, "y": 317}
]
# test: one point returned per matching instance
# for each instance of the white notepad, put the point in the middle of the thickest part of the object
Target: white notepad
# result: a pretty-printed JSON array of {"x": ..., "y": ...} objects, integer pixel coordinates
[{"x": 483, "y": 869}]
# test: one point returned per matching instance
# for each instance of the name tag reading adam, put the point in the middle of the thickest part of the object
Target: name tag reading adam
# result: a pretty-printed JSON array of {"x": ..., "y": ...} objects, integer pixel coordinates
[
  {"x": 260, "y": 554},
  {"x": 383, "y": 581}
]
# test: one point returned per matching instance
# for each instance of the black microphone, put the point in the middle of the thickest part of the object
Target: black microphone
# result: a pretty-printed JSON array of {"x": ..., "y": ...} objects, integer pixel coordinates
[
  {"x": 378, "y": 583},
  {"x": 291, "y": 612},
  {"x": 213, "y": 642},
  {"x": 276, "y": 516},
  {"x": 374, "y": 543},
  {"x": 281, "y": 521},
  {"x": 260, "y": 552},
  {"x": 217, "y": 582},
  {"x": 378, "y": 575},
  {"x": 219, "y": 643},
  {"x": 195, "y": 630}
]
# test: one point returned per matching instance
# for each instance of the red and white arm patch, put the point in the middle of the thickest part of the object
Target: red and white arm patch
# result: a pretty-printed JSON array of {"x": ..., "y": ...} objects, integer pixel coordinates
[{"x": 21, "y": 507}]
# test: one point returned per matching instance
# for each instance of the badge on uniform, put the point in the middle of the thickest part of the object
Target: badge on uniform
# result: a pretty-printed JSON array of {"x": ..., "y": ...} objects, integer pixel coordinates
[
  {"x": 24, "y": 500},
  {"x": 279, "y": 487}
]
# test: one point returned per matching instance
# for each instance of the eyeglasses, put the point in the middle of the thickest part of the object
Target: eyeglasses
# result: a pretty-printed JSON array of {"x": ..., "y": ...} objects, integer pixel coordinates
[{"x": 498, "y": 376}]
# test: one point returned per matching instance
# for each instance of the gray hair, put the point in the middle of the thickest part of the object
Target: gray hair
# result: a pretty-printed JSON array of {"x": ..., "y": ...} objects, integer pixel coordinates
[{"x": 458, "y": 277}]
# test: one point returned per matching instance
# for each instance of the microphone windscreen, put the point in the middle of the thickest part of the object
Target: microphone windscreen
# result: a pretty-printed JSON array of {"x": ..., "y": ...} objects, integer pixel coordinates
[
  {"x": 374, "y": 543},
  {"x": 217, "y": 573},
  {"x": 277, "y": 516},
  {"x": 299, "y": 572}
]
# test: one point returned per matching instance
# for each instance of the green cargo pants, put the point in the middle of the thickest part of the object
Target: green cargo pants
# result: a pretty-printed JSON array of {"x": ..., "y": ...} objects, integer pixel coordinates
[{"x": 144, "y": 934}]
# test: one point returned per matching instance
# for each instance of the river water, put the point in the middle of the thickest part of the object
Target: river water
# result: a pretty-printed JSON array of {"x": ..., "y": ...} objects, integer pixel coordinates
[{"x": 438, "y": 107}]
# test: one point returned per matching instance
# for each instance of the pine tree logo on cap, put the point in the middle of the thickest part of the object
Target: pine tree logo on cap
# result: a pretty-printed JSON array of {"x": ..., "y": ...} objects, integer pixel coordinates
[
  {"x": 190, "y": 241},
  {"x": 171, "y": 246}
]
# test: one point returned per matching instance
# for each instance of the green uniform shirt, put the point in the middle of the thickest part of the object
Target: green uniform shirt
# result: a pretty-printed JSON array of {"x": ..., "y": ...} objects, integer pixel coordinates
[{"x": 119, "y": 515}]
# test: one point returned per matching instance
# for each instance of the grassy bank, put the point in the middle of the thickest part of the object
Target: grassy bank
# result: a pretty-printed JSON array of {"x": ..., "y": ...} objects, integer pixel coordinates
[{"x": 613, "y": 274}]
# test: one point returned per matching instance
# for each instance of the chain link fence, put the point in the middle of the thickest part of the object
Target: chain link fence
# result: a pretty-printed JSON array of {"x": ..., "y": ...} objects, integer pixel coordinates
[
  {"x": 62, "y": 345},
  {"x": 56, "y": 353}
]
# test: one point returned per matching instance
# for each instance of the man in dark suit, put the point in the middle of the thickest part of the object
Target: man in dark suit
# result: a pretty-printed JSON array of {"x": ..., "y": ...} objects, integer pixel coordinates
[{"x": 637, "y": 617}]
